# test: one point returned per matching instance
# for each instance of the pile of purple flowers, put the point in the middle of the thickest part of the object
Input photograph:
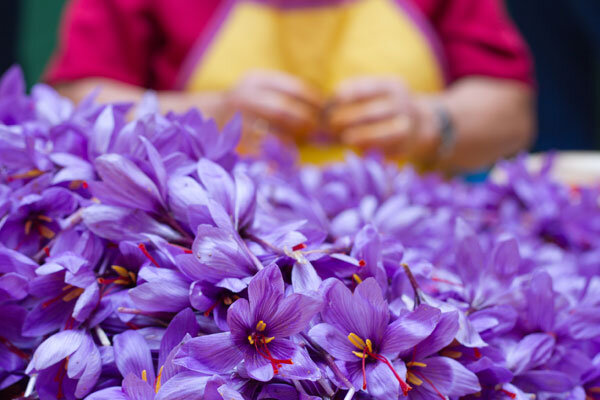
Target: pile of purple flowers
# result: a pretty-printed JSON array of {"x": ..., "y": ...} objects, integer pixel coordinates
[{"x": 144, "y": 259}]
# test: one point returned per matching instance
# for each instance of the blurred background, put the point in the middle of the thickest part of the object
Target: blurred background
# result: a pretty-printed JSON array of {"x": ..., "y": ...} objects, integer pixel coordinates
[{"x": 564, "y": 37}]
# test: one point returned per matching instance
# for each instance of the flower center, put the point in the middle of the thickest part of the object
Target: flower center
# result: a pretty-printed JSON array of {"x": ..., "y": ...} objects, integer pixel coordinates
[
  {"x": 71, "y": 294},
  {"x": 36, "y": 222},
  {"x": 260, "y": 341},
  {"x": 366, "y": 348}
]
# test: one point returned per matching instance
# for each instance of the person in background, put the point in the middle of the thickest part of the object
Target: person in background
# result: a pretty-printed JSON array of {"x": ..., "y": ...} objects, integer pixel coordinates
[{"x": 443, "y": 83}]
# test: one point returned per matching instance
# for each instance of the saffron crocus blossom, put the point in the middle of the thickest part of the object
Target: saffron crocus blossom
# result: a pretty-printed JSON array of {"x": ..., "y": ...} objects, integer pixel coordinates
[
  {"x": 127, "y": 234},
  {"x": 260, "y": 330},
  {"x": 68, "y": 365},
  {"x": 357, "y": 331}
]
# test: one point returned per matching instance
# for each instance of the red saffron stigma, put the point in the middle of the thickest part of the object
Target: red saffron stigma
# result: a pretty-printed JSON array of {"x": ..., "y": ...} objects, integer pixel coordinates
[
  {"x": 263, "y": 351},
  {"x": 132, "y": 326},
  {"x": 14, "y": 349},
  {"x": 509, "y": 394},
  {"x": 477, "y": 353},
  {"x": 47, "y": 251},
  {"x": 207, "y": 312},
  {"x": 142, "y": 247},
  {"x": 423, "y": 377},
  {"x": 84, "y": 184},
  {"x": 362, "y": 263},
  {"x": 442, "y": 280},
  {"x": 300, "y": 246},
  {"x": 364, "y": 369}
]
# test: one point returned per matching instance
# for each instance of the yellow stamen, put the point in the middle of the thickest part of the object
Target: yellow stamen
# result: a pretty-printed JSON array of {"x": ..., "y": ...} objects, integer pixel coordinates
[
  {"x": 451, "y": 354},
  {"x": 144, "y": 376},
  {"x": 66, "y": 362},
  {"x": 46, "y": 232},
  {"x": 357, "y": 278},
  {"x": 261, "y": 326},
  {"x": 227, "y": 301},
  {"x": 122, "y": 282},
  {"x": 44, "y": 218},
  {"x": 250, "y": 339},
  {"x": 369, "y": 345},
  {"x": 412, "y": 378},
  {"x": 158, "y": 378},
  {"x": 269, "y": 339},
  {"x": 123, "y": 273},
  {"x": 416, "y": 364},
  {"x": 29, "y": 174},
  {"x": 356, "y": 341},
  {"x": 132, "y": 276},
  {"x": 28, "y": 224},
  {"x": 72, "y": 294},
  {"x": 66, "y": 287},
  {"x": 360, "y": 354}
]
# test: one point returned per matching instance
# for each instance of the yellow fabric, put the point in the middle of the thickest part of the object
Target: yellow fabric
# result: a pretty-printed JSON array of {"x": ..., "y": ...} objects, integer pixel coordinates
[{"x": 323, "y": 46}]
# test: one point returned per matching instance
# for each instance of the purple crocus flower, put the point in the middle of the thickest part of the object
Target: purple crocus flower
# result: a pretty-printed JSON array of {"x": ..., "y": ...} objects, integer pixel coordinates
[
  {"x": 260, "y": 328},
  {"x": 68, "y": 365},
  {"x": 357, "y": 332}
]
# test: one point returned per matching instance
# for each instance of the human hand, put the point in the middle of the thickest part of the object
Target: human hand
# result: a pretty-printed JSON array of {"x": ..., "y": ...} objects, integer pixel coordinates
[
  {"x": 272, "y": 101},
  {"x": 381, "y": 113}
]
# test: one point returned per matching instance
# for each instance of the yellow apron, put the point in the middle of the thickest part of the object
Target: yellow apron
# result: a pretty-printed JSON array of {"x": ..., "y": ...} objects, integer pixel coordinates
[{"x": 323, "y": 42}]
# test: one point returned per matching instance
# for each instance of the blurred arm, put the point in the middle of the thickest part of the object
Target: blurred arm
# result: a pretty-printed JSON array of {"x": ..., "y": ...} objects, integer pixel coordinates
[{"x": 492, "y": 118}]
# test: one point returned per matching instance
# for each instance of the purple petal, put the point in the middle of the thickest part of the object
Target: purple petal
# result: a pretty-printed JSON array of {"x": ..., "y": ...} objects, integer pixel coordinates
[
  {"x": 239, "y": 319},
  {"x": 183, "y": 386},
  {"x": 56, "y": 348},
  {"x": 443, "y": 334},
  {"x": 132, "y": 355},
  {"x": 292, "y": 315},
  {"x": 532, "y": 351},
  {"x": 544, "y": 381},
  {"x": 124, "y": 184},
  {"x": 305, "y": 278},
  {"x": 409, "y": 329},
  {"x": 540, "y": 302},
  {"x": 333, "y": 341},
  {"x": 182, "y": 324},
  {"x": 210, "y": 354},
  {"x": 86, "y": 302},
  {"x": 111, "y": 393},
  {"x": 137, "y": 389},
  {"x": 265, "y": 292},
  {"x": 448, "y": 376},
  {"x": 218, "y": 183}
]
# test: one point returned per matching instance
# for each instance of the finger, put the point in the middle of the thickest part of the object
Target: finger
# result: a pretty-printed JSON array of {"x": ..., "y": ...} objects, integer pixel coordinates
[
  {"x": 390, "y": 136},
  {"x": 289, "y": 85},
  {"x": 360, "y": 89},
  {"x": 278, "y": 109},
  {"x": 349, "y": 115}
]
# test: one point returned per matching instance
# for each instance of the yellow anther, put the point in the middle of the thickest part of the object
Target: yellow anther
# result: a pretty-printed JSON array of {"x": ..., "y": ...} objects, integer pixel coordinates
[
  {"x": 132, "y": 276},
  {"x": 412, "y": 378},
  {"x": 356, "y": 341},
  {"x": 227, "y": 301},
  {"x": 369, "y": 345},
  {"x": 269, "y": 339},
  {"x": 144, "y": 376},
  {"x": 261, "y": 326},
  {"x": 72, "y": 294},
  {"x": 122, "y": 282},
  {"x": 33, "y": 173},
  {"x": 28, "y": 224},
  {"x": 451, "y": 354},
  {"x": 123, "y": 273},
  {"x": 356, "y": 278},
  {"x": 416, "y": 364},
  {"x": 44, "y": 218},
  {"x": 158, "y": 379},
  {"x": 66, "y": 363},
  {"x": 360, "y": 354},
  {"x": 250, "y": 339},
  {"x": 66, "y": 288},
  {"x": 46, "y": 232}
]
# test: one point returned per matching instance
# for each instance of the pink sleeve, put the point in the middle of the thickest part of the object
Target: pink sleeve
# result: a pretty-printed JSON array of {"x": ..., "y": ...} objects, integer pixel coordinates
[
  {"x": 104, "y": 38},
  {"x": 480, "y": 39}
]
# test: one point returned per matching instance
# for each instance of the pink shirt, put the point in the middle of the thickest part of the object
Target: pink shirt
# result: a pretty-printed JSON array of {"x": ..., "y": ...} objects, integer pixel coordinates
[{"x": 144, "y": 42}]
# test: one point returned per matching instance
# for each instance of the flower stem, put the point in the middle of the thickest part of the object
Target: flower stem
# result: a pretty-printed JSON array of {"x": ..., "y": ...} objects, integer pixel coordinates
[{"x": 413, "y": 283}]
